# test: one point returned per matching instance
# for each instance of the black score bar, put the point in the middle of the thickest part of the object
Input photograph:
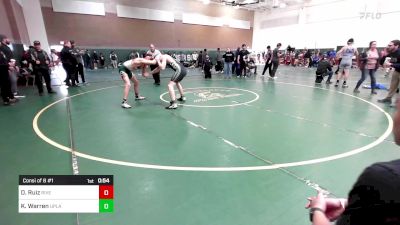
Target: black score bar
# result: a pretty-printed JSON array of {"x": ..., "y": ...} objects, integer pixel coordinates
[{"x": 66, "y": 179}]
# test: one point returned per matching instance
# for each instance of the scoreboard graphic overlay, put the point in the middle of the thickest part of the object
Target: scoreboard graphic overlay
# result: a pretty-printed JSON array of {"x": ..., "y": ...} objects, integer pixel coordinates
[{"x": 66, "y": 194}]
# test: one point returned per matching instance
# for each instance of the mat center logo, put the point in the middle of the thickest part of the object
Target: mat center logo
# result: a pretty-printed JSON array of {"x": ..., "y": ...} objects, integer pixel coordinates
[
  {"x": 215, "y": 97},
  {"x": 213, "y": 94}
]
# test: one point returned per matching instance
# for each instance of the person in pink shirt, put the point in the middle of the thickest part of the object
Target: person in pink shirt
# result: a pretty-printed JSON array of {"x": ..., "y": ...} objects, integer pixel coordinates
[{"x": 368, "y": 63}]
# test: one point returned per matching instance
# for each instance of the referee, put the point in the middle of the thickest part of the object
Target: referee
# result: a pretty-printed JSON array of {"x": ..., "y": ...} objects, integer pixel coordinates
[{"x": 153, "y": 52}]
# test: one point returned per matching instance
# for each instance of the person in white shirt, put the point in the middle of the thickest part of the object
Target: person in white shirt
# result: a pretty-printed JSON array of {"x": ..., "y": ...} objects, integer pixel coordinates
[
  {"x": 194, "y": 57},
  {"x": 154, "y": 53}
]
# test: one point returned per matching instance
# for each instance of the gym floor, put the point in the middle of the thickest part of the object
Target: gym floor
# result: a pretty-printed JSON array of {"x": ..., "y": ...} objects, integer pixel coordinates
[{"x": 237, "y": 152}]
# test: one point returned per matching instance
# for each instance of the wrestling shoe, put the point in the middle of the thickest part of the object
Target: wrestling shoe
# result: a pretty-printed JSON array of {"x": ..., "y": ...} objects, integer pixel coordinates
[
  {"x": 181, "y": 99},
  {"x": 125, "y": 105},
  {"x": 385, "y": 100},
  {"x": 172, "y": 105}
]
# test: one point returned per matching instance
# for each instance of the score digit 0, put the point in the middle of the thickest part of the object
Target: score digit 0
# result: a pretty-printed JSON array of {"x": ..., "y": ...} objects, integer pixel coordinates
[{"x": 106, "y": 192}]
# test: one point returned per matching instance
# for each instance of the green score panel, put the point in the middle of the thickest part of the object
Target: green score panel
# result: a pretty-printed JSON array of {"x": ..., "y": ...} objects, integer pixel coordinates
[{"x": 106, "y": 198}]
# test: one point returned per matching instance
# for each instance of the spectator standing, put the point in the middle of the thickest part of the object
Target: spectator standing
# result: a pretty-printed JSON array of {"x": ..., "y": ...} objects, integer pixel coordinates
[
  {"x": 114, "y": 59},
  {"x": 267, "y": 58},
  {"x": 235, "y": 63},
  {"x": 69, "y": 63},
  {"x": 207, "y": 66},
  {"x": 307, "y": 58},
  {"x": 87, "y": 60},
  {"x": 204, "y": 54},
  {"x": 219, "y": 67},
  {"x": 182, "y": 58},
  {"x": 229, "y": 57},
  {"x": 241, "y": 60},
  {"x": 194, "y": 57},
  {"x": 41, "y": 61},
  {"x": 6, "y": 55},
  {"x": 275, "y": 60},
  {"x": 200, "y": 60},
  {"x": 13, "y": 71},
  {"x": 102, "y": 60},
  {"x": 79, "y": 59},
  {"x": 392, "y": 60},
  {"x": 368, "y": 64},
  {"x": 95, "y": 59}
]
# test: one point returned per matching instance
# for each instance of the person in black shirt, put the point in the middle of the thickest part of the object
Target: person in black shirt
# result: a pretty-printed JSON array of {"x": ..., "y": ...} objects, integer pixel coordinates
[
  {"x": 235, "y": 64},
  {"x": 87, "y": 59},
  {"x": 229, "y": 57},
  {"x": 200, "y": 60},
  {"x": 307, "y": 58},
  {"x": 267, "y": 57},
  {"x": 5, "y": 58},
  {"x": 392, "y": 60},
  {"x": 204, "y": 54},
  {"x": 241, "y": 61},
  {"x": 95, "y": 59},
  {"x": 79, "y": 59},
  {"x": 102, "y": 60},
  {"x": 69, "y": 63},
  {"x": 207, "y": 66},
  {"x": 324, "y": 68},
  {"x": 251, "y": 65},
  {"x": 25, "y": 65},
  {"x": 275, "y": 61},
  {"x": 40, "y": 62}
]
